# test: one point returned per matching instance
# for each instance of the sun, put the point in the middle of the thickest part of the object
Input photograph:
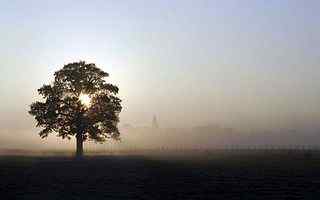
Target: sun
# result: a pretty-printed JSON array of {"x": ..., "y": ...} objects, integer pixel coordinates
[{"x": 85, "y": 99}]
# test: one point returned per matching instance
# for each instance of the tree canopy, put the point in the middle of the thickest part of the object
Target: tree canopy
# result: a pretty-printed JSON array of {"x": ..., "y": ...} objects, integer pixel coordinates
[{"x": 62, "y": 111}]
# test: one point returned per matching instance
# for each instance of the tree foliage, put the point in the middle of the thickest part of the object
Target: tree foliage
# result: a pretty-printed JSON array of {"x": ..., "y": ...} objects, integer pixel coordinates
[{"x": 62, "y": 112}]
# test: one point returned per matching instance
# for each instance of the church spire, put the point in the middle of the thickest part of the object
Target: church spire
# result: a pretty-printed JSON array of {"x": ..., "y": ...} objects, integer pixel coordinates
[{"x": 155, "y": 122}]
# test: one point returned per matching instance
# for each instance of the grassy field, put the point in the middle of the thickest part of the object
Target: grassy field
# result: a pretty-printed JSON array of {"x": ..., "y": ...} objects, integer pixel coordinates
[{"x": 209, "y": 175}]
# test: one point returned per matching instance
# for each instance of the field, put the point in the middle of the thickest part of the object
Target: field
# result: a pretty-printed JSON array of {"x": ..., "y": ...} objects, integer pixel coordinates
[{"x": 188, "y": 175}]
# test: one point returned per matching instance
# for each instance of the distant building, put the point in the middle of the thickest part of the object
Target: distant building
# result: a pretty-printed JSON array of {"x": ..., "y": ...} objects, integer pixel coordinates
[
  {"x": 155, "y": 122},
  {"x": 127, "y": 126}
]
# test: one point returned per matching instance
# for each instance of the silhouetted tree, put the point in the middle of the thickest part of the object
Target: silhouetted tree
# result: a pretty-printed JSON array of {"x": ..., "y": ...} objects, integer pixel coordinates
[{"x": 63, "y": 112}]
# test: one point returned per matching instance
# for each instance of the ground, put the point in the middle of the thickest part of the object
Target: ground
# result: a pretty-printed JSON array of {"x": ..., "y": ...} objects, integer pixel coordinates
[{"x": 226, "y": 175}]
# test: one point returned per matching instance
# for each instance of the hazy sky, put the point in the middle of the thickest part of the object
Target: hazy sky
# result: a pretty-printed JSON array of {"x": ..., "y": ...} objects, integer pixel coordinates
[{"x": 239, "y": 63}]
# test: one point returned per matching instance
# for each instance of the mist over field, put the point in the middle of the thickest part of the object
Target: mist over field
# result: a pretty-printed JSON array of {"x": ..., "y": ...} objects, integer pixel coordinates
[
  {"x": 142, "y": 138},
  {"x": 213, "y": 73}
]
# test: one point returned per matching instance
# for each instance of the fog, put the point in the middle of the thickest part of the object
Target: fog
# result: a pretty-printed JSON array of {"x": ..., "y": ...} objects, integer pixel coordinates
[
  {"x": 215, "y": 74},
  {"x": 209, "y": 136}
]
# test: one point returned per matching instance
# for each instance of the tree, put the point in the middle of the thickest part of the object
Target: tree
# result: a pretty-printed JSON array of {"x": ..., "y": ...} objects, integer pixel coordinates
[{"x": 78, "y": 103}]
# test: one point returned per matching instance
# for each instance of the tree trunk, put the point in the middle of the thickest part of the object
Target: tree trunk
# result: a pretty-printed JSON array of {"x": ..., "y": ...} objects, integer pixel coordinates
[{"x": 79, "y": 152}]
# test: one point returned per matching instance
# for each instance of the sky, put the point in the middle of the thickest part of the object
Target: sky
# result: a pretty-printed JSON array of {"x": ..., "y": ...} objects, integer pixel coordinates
[{"x": 242, "y": 64}]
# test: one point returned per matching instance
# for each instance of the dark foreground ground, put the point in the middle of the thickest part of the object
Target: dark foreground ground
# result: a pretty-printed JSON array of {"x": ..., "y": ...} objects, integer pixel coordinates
[{"x": 260, "y": 175}]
